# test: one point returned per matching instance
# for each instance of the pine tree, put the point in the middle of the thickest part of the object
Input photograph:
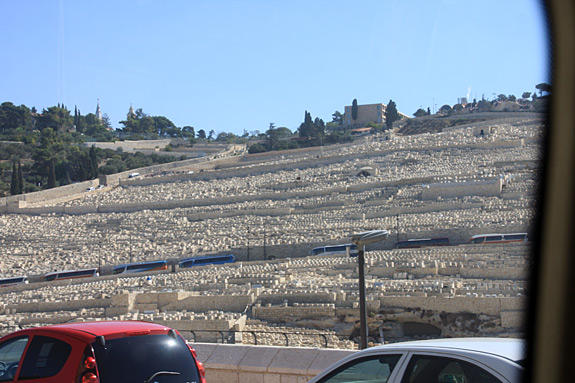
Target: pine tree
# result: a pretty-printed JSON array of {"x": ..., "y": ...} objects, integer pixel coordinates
[{"x": 354, "y": 109}]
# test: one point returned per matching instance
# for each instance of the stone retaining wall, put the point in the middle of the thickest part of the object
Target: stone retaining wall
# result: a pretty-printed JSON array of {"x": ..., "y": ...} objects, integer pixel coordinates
[
  {"x": 463, "y": 189},
  {"x": 15, "y": 204},
  {"x": 264, "y": 364},
  {"x": 488, "y": 306}
]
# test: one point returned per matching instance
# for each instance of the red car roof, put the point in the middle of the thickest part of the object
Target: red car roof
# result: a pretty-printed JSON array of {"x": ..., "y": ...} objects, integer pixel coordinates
[{"x": 88, "y": 330}]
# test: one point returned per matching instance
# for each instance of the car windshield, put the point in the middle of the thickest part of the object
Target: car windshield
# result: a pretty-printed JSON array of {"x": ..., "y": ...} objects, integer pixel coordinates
[{"x": 138, "y": 358}]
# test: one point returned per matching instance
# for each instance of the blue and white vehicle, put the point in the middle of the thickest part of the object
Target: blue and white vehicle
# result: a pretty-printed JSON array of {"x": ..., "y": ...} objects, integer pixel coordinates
[
  {"x": 207, "y": 260},
  {"x": 336, "y": 250}
]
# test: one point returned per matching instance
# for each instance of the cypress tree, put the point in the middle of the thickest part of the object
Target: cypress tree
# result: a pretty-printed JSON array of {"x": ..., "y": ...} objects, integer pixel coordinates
[
  {"x": 391, "y": 114},
  {"x": 51, "y": 174},
  {"x": 93, "y": 163},
  {"x": 14, "y": 180},
  {"x": 354, "y": 109},
  {"x": 20, "y": 179}
]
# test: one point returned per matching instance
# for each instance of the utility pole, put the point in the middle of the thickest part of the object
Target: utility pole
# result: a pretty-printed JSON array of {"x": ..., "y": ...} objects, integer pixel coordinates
[
  {"x": 248, "y": 244},
  {"x": 265, "y": 252},
  {"x": 397, "y": 226}
]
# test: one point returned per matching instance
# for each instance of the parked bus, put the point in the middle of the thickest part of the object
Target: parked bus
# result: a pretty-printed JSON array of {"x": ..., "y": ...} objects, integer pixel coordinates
[
  {"x": 140, "y": 267},
  {"x": 335, "y": 250},
  {"x": 70, "y": 274},
  {"x": 207, "y": 260},
  {"x": 5, "y": 282},
  {"x": 417, "y": 243},
  {"x": 498, "y": 238}
]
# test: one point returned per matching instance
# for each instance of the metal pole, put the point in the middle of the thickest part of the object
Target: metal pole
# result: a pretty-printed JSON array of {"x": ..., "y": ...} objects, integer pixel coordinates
[
  {"x": 265, "y": 252},
  {"x": 248, "y": 236},
  {"x": 362, "y": 306}
]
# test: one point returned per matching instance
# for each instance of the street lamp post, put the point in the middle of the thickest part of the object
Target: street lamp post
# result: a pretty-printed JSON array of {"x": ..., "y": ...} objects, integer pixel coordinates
[
  {"x": 362, "y": 304},
  {"x": 360, "y": 240}
]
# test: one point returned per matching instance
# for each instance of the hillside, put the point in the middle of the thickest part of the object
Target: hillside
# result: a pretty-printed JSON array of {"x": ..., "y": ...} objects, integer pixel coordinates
[{"x": 436, "y": 123}]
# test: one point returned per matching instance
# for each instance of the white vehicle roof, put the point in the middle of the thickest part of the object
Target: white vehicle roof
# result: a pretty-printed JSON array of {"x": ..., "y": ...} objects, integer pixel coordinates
[
  {"x": 501, "y": 355},
  {"x": 508, "y": 348}
]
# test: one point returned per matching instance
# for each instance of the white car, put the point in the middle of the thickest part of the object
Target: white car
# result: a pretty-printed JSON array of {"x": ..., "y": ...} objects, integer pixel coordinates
[{"x": 457, "y": 360}]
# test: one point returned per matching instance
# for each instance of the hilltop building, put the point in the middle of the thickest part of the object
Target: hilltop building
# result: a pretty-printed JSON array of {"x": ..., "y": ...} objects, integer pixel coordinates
[{"x": 366, "y": 114}]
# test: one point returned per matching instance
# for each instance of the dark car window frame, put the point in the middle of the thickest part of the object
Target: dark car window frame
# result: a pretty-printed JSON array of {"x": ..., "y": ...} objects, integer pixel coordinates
[
  {"x": 415, "y": 356},
  {"x": 120, "y": 346},
  {"x": 356, "y": 361},
  {"x": 45, "y": 357},
  {"x": 13, "y": 363}
]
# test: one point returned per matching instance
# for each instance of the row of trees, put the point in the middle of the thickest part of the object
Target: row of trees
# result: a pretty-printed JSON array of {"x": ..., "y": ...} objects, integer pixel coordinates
[
  {"x": 528, "y": 101},
  {"x": 311, "y": 132},
  {"x": 20, "y": 123}
]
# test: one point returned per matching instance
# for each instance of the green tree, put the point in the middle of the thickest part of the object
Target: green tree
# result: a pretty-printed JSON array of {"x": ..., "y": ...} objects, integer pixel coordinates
[
  {"x": 112, "y": 166},
  {"x": 337, "y": 118},
  {"x": 319, "y": 129},
  {"x": 13, "y": 117},
  {"x": 93, "y": 161},
  {"x": 307, "y": 128},
  {"x": 420, "y": 113},
  {"x": 391, "y": 114},
  {"x": 98, "y": 133},
  {"x": 49, "y": 151},
  {"x": 502, "y": 97},
  {"x": 106, "y": 121},
  {"x": 20, "y": 178},
  {"x": 56, "y": 118},
  {"x": 164, "y": 127},
  {"x": 202, "y": 134},
  {"x": 226, "y": 137},
  {"x": 211, "y": 135},
  {"x": 526, "y": 95},
  {"x": 354, "y": 109},
  {"x": 512, "y": 97},
  {"x": 276, "y": 138},
  {"x": 272, "y": 137},
  {"x": 51, "y": 174},
  {"x": 14, "y": 180},
  {"x": 256, "y": 148},
  {"x": 188, "y": 132},
  {"x": 543, "y": 87}
]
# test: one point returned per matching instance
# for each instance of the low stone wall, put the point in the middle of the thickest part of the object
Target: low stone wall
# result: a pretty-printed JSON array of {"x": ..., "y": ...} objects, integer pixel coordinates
[
  {"x": 131, "y": 145},
  {"x": 276, "y": 299},
  {"x": 228, "y": 303},
  {"x": 488, "y": 306},
  {"x": 264, "y": 364},
  {"x": 75, "y": 305},
  {"x": 286, "y": 314},
  {"x": 463, "y": 189},
  {"x": 14, "y": 204}
]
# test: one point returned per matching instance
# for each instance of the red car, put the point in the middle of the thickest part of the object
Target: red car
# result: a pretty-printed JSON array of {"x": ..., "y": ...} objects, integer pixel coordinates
[{"x": 99, "y": 352}]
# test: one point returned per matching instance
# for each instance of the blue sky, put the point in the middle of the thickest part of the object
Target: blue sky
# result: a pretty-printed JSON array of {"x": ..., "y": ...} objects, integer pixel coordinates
[{"x": 231, "y": 65}]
